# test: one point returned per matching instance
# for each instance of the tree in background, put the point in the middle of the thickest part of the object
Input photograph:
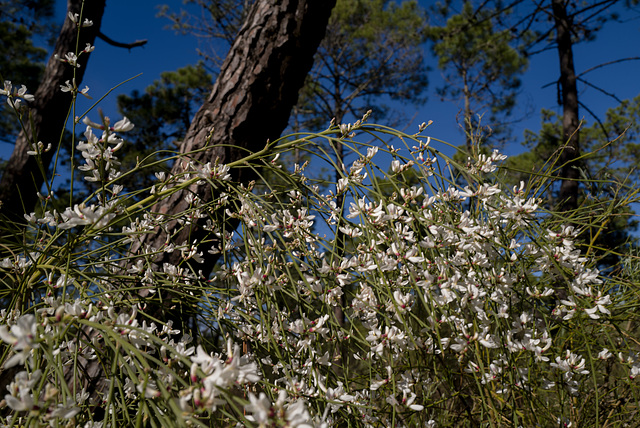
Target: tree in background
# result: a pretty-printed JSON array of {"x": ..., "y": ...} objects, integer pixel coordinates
[
  {"x": 475, "y": 50},
  {"x": 558, "y": 25},
  {"x": 43, "y": 129},
  {"x": 249, "y": 105},
  {"x": 372, "y": 52},
  {"x": 24, "y": 176},
  {"x": 608, "y": 172},
  {"x": 565, "y": 24},
  {"x": 556, "y": 149},
  {"x": 20, "y": 59},
  {"x": 480, "y": 66}
]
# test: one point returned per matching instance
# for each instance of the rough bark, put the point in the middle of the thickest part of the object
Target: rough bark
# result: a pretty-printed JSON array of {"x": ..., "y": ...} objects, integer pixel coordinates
[
  {"x": 570, "y": 119},
  {"x": 250, "y": 103},
  {"x": 22, "y": 178},
  {"x": 251, "y": 100}
]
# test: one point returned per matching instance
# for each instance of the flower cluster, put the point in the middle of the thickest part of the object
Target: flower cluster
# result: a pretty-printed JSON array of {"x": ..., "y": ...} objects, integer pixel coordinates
[
  {"x": 416, "y": 305},
  {"x": 98, "y": 153},
  {"x": 464, "y": 281}
]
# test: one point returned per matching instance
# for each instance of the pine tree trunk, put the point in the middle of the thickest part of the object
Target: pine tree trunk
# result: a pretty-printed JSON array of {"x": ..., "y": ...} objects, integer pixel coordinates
[
  {"x": 23, "y": 178},
  {"x": 250, "y": 103},
  {"x": 570, "y": 118}
]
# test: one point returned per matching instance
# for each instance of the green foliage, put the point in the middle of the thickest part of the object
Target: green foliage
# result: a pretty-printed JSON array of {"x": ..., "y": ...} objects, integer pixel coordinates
[
  {"x": 429, "y": 303},
  {"x": 608, "y": 171},
  {"x": 480, "y": 65},
  {"x": 450, "y": 296},
  {"x": 20, "y": 59},
  {"x": 371, "y": 52}
]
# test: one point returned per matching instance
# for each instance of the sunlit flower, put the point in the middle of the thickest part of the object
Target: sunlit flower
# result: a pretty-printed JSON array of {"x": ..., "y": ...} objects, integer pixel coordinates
[{"x": 70, "y": 58}]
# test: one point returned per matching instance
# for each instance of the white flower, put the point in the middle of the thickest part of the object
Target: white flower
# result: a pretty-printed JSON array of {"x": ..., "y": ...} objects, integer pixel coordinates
[
  {"x": 258, "y": 409},
  {"x": 14, "y": 99},
  {"x": 571, "y": 363},
  {"x": 218, "y": 172},
  {"x": 65, "y": 412},
  {"x": 20, "y": 397},
  {"x": 23, "y": 337},
  {"x": 22, "y": 93},
  {"x": 605, "y": 354},
  {"x": 67, "y": 87},
  {"x": 7, "y": 88},
  {"x": 371, "y": 152},
  {"x": 81, "y": 215},
  {"x": 634, "y": 372},
  {"x": 600, "y": 302},
  {"x": 92, "y": 124},
  {"x": 123, "y": 125},
  {"x": 297, "y": 415},
  {"x": 70, "y": 58},
  {"x": 38, "y": 148}
]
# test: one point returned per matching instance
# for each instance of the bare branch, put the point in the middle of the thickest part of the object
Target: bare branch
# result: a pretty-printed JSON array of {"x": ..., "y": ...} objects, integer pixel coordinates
[
  {"x": 603, "y": 5},
  {"x": 604, "y": 64},
  {"x": 604, "y": 130},
  {"x": 599, "y": 89},
  {"x": 112, "y": 42}
]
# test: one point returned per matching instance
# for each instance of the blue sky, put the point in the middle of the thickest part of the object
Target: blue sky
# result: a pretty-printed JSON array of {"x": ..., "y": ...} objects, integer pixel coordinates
[{"x": 127, "y": 21}]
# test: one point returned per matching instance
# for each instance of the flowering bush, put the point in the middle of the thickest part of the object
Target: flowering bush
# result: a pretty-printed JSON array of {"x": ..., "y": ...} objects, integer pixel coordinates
[{"x": 432, "y": 304}]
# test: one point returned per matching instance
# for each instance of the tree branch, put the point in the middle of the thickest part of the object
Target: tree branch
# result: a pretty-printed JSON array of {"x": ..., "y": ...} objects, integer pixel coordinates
[
  {"x": 112, "y": 42},
  {"x": 23, "y": 176},
  {"x": 599, "y": 89},
  {"x": 604, "y": 64},
  {"x": 604, "y": 129}
]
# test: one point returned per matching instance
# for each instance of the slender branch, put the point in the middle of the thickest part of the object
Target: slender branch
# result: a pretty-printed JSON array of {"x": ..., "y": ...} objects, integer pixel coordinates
[
  {"x": 112, "y": 42},
  {"x": 551, "y": 46},
  {"x": 603, "y": 5},
  {"x": 604, "y": 130},
  {"x": 599, "y": 89},
  {"x": 604, "y": 64}
]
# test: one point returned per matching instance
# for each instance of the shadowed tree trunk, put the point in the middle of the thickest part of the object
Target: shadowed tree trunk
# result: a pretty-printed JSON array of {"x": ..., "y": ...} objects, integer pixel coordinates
[
  {"x": 570, "y": 118},
  {"x": 22, "y": 178},
  {"x": 250, "y": 103}
]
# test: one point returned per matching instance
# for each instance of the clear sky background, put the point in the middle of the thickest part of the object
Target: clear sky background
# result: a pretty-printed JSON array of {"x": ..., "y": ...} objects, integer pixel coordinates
[{"x": 130, "y": 20}]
